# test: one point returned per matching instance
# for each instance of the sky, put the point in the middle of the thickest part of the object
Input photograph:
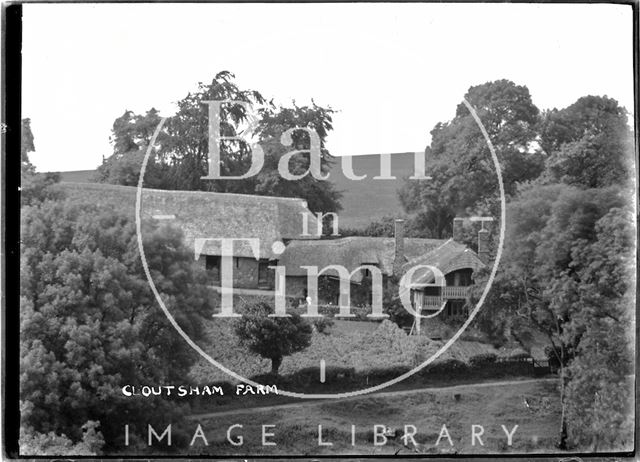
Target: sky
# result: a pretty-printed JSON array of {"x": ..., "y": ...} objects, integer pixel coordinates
[{"x": 391, "y": 70}]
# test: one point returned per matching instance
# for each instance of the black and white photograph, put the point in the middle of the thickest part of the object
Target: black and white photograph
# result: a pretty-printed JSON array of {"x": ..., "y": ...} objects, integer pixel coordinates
[{"x": 319, "y": 230}]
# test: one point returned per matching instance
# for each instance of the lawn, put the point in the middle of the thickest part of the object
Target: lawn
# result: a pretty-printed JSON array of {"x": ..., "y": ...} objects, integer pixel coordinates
[{"x": 296, "y": 429}]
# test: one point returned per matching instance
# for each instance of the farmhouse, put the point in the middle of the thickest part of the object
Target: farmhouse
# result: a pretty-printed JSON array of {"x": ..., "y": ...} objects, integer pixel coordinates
[
  {"x": 393, "y": 257},
  {"x": 206, "y": 217}
]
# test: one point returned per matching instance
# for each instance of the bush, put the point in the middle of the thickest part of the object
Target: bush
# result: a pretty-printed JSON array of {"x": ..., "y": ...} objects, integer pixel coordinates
[
  {"x": 554, "y": 361},
  {"x": 33, "y": 443},
  {"x": 446, "y": 367},
  {"x": 483, "y": 359},
  {"x": 272, "y": 338},
  {"x": 389, "y": 373},
  {"x": 322, "y": 325},
  {"x": 519, "y": 355}
]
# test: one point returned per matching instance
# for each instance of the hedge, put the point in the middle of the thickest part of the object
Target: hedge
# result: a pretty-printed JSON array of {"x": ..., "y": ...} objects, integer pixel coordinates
[{"x": 483, "y": 359}]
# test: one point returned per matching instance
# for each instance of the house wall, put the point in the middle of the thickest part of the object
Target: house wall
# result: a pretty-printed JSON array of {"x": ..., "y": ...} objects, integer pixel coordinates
[
  {"x": 245, "y": 273},
  {"x": 328, "y": 289},
  {"x": 296, "y": 286}
]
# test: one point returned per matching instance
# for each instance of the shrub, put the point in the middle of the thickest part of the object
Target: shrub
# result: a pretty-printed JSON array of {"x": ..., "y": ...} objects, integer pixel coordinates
[
  {"x": 519, "y": 355},
  {"x": 482, "y": 359},
  {"x": 33, "y": 443},
  {"x": 322, "y": 325},
  {"x": 387, "y": 373},
  {"x": 446, "y": 367}
]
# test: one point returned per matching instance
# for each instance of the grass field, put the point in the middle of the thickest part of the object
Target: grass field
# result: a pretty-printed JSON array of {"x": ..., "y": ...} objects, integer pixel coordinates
[{"x": 296, "y": 429}]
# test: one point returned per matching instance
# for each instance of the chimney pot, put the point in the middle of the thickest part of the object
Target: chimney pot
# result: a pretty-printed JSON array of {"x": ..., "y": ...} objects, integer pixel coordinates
[
  {"x": 458, "y": 229},
  {"x": 483, "y": 245},
  {"x": 398, "y": 258}
]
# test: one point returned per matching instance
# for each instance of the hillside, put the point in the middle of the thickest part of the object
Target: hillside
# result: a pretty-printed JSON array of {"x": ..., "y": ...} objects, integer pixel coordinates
[
  {"x": 363, "y": 201},
  {"x": 366, "y": 200},
  {"x": 77, "y": 176}
]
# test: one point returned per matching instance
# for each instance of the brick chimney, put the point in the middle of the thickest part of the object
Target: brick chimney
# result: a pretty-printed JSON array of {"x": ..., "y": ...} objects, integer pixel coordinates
[
  {"x": 398, "y": 256},
  {"x": 483, "y": 245},
  {"x": 457, "y": 229}
]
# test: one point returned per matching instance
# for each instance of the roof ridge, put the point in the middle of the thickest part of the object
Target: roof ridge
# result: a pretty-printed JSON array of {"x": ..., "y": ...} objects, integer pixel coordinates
[
  {"x": 434, "y": 250},
  {"x": 181, "y": 191}
]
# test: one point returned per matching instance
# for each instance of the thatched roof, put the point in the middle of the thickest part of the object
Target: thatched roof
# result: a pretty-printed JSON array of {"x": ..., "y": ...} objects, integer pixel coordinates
[
  {"x": 208, "y": 215},
  {"x": 351, "y": 252},
  {"x": 449, "y": 256}
]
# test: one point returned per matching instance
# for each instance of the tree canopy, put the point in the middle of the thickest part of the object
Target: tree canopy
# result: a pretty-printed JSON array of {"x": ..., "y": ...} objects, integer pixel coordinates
[
  {"x": 272, "y": 337},
  {"x": 463, "y": 180},
  {"x": 182, "y": 158},
  {"x": 588, "y": 144},
  {"x": 90, "y": 324}
]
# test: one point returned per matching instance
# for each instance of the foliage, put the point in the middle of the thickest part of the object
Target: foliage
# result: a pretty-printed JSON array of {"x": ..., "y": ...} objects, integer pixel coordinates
[
  {"x": 323, "y": 325},
  {"x": 392, "y": 305},
  {"x": 482, "y": 359},
  {"x": 459, "y": 161},
  {"x": 33, "y": 443},
  {"x": 89, "y": 322},
  {"x": 34, "y": 187},
  {"x": 181, "y": 159},
  {"x": 567, "y": 267},
  {"x": 384, "y": 227},
  {"x": 448, "y": 366},
  {"x": 600, "y": 395},
  {"x": 27, "y": 143},
  {"x": 414, "y": 226},
  {"x": 589, "y": 143},
  {"x": 272, "y": 337}
]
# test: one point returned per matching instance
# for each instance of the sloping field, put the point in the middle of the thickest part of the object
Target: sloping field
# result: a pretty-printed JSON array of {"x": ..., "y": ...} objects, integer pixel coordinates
[
  {"x": 77, "y": 176},
  {"x": 368, "y": 200}
]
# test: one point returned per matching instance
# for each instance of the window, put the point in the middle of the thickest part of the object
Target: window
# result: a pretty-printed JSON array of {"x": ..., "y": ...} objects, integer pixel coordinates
[
  {"x": 366, "y": 272},
  {"x": 212, "y": 262},
  {"x": 263, "y": 272},
  {"x": 459, "y": 278}
]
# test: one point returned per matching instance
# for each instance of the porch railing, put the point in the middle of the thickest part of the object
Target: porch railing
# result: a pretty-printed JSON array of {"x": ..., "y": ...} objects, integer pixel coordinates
[
  {"x": 456, "y": 292},
  {"x": 448, "y": 293}
]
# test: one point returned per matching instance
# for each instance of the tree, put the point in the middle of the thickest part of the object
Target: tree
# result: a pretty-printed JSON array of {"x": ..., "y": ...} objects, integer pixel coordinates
[
  {"x": 599, "y": 394},
  {"x": 182, "y": 157},
  {"x": 565, "y": 270},
  {"x": 321, "y": 195},
  {"x": 458, "y": 160},
  {"x": 384, "y": 227},
  {"x": 90, "y": 323},
  {"x": 34, "y": 187},
  {"x": 272, "y": 337},
  {"x": 414, "y": 226},
  {"x": 131, "y": 134},
  {"x": 37, "y": 444},
  {"x": 392, "y": 304},
  {"x": 589, "y": 143},
  {"x": 26, "y": 145}
]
